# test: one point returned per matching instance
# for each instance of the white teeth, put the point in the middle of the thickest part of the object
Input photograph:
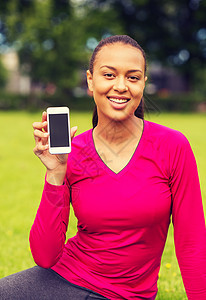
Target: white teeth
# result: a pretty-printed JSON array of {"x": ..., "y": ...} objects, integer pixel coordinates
[{"x": 118, "y": 100}]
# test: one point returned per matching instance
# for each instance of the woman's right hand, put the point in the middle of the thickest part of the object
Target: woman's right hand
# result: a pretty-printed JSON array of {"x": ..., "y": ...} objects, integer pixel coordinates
[{"x": 56, "y": 164}]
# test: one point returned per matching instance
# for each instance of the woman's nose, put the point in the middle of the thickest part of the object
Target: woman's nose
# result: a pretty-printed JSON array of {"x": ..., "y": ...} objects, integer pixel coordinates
[{"x": 120, "y": 85}]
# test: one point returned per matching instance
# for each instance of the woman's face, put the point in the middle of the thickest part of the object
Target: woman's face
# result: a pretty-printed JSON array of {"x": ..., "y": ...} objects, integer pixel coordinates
[{"x": 118, "y": 81}]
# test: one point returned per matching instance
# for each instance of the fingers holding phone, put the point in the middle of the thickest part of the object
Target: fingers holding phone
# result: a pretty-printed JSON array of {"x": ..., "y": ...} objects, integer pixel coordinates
[
  {"x": 41, "y": 135},
  {"x": 59, "y": 130},
  {"x": 53, "y": 140}
]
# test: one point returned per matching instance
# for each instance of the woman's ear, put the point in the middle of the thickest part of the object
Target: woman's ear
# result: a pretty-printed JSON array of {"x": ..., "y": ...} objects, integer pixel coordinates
[
  {"x": 145, "y": 79},
  {"x": 89, "y": 81}
]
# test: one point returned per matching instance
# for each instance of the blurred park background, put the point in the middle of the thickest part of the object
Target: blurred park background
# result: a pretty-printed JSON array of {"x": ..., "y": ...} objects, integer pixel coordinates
[{"x": 45, "y": 46}]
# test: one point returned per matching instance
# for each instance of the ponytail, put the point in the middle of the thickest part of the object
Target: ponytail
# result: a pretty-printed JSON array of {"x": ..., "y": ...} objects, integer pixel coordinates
[{"x": 95, "y": 117}]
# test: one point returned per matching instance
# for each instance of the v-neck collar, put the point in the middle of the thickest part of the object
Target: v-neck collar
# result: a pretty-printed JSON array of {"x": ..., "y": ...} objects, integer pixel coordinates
[{"x": 103, "y": 165}]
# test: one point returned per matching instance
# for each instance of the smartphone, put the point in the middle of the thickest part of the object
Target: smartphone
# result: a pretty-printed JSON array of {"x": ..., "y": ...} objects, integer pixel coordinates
[{"x": 59, "y": 130}]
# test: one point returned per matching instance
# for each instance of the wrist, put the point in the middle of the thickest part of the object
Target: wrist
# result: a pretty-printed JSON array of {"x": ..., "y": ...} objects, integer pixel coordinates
[{"x": 56, "y": 177}]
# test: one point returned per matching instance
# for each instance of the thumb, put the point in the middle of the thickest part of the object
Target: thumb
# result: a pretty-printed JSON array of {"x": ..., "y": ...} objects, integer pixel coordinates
[{"x": 73, "y": 131}]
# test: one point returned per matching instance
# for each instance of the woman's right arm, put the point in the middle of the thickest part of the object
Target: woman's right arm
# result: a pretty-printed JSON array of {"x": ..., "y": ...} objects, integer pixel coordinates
[{"x": 48, "y": 233}]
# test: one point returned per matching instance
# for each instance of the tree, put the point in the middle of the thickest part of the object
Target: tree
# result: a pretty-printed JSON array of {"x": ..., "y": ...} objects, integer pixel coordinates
[
  {"x": 46, "y": 37},
  {"x": 172, "y": 32},
  {"x": 3, "y": 75},
  {"x": 54, "y": 38}
]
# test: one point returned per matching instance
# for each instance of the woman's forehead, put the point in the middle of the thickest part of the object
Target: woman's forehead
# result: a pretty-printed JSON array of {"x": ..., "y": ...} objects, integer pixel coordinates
[{"x": 119, "y": 54}]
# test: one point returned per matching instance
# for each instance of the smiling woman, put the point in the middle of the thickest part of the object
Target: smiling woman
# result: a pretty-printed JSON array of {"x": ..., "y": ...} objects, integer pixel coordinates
[
  {"x": 121, "y": 81},
  {"x": 125, "y": 178},
  {"x": 117, "y": 82},
  {"x": 121, "y": 41}
]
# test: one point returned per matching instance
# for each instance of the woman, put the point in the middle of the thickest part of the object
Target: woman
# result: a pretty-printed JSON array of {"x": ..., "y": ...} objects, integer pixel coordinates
[{"x": 125, "y": 178}]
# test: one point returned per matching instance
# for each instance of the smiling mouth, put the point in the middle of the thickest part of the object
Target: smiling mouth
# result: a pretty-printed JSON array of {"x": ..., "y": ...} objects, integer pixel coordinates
[{"x": 118, "y": 100}]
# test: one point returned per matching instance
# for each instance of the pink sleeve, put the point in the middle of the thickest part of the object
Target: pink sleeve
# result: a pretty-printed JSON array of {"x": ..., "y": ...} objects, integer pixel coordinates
[
  {"x": 188, "y": 221},
  {"x": 48, "y": 233}
]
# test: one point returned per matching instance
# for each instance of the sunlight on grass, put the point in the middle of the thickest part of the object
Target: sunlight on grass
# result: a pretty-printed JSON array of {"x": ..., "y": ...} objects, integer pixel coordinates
[{"x": 22, "y": 179}]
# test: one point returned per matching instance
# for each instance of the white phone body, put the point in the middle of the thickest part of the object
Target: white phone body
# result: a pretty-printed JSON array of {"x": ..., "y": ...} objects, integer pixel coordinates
[{"x": 59, "y": 130}]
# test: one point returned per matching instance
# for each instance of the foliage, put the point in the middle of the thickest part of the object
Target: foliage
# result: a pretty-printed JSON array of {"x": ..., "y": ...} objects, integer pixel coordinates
[
  {"x": 54, "y": 38},
  {"x": 177, "y": 102},
  {"x": 172, "y": 32},
  {"x": 3, "y": 75},
  {"x": 43, "y": 33},
  {"x": 12, "y": 101},
  {"x": 51, "y": 37},
  {"x": 157, "y": 103}
]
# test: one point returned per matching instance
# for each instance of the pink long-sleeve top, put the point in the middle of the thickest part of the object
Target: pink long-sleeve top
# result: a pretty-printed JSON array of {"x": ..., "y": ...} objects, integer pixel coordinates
[{"x": 123, "y": 218}]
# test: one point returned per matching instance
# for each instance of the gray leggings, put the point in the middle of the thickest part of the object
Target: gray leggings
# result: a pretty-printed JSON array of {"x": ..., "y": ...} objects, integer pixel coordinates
[{"x": 42, "y": 284}]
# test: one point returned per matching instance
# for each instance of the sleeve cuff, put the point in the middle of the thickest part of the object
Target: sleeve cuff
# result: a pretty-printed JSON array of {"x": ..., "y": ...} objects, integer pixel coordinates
[
  {"x": 54, "y": 188},
  {"x": 57, "y": 195}
]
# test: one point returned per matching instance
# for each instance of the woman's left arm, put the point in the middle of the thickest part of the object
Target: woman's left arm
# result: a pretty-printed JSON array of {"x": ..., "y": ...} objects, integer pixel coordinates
[
  {"x": 48, "y": 232},
  {"x": 188, "y": 220}
]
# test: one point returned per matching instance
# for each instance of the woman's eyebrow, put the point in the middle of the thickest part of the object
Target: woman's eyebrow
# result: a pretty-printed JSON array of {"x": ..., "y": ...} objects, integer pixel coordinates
[
  {"x": 109, "y": 67},
  {"x": 114, "y": 69},
  {"x": 135, "y": 70}
]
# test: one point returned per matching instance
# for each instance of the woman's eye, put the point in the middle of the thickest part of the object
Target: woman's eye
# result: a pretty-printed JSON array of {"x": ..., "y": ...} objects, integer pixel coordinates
[
  {"x": 108, "y": 75},
  {"x": 133, "y": 78}
]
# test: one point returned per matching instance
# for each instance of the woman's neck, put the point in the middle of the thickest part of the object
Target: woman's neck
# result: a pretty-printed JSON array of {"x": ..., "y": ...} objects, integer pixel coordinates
[{"x": 118, "y": 132}]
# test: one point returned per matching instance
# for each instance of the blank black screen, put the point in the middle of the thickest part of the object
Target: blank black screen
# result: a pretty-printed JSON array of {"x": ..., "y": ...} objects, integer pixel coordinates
[{"x": 59, "y": 136}]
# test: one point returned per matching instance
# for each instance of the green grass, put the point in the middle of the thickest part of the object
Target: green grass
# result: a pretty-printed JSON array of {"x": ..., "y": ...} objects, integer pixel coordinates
[{"x": 22, "y": 178}]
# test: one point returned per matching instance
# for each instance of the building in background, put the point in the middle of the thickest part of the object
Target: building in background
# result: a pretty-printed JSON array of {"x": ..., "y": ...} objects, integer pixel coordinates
[{"x": 17, "y": 82}]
